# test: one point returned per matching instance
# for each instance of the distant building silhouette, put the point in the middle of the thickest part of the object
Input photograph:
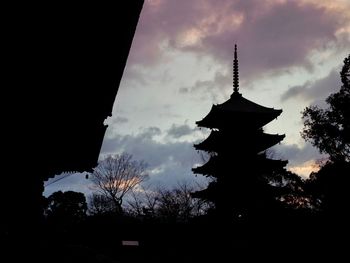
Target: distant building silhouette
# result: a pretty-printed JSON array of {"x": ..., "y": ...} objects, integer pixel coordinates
[{"x": 238, "y": 164}]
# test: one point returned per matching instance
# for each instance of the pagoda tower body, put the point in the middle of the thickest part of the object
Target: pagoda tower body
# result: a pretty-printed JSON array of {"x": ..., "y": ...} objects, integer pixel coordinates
[{"x": 238, "y": 165}]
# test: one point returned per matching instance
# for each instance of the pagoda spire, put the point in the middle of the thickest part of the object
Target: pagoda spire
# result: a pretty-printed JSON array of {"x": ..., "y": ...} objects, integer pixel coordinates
[{"x": 235, "y": 71}]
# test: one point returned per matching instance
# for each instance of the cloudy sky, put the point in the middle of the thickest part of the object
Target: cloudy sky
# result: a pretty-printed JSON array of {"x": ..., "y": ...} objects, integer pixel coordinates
[{"x": 180, "y": 63}]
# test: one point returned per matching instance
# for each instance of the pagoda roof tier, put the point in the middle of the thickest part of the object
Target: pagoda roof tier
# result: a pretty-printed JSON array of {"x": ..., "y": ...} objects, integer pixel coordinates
[
  {"x": 235, "y": 192},
  {"x": 238, "y": 111},
  {"x": 209, "y": 168},
  {"x": 216, "y": 190},
  {"x": 217, "y": 166},
  {"x": 219, "y": 141},
  {"x": 209, "y": 193}
]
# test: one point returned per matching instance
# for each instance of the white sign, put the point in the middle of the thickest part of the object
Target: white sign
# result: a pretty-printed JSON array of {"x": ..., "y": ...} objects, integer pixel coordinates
[{"x": 130, "y": 243}]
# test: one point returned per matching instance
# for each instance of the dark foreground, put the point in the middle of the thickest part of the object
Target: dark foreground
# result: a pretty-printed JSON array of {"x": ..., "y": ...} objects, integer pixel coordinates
[{"x": 100, "y": 240}]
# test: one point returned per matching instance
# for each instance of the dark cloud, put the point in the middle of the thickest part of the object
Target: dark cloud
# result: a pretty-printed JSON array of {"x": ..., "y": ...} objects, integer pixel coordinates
[
  {"x": 170, "y": 162},
  {"x": 150, "y": 132},
  {"x": 277, "y": 37},
  {"x": 158, "y": 24},
  {"x": 178, "y": 131},
  {"x": 219, "y": 83},
  {"x": 120, "y": 119},
  {"x": 133, "y": 76},
  {"x": 271, "y": 35},
  {"x": 295, "y": 91},
  {"x": 316, "y": 90},
  {"x": 144, "y": 146},
  {"x": 184, "y": 90},
  {"x": 294, "y": 154}
]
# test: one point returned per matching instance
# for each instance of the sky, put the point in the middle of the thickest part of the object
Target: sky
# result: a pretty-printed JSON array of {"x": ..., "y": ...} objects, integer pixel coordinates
[{"x": 290, "y": 54}]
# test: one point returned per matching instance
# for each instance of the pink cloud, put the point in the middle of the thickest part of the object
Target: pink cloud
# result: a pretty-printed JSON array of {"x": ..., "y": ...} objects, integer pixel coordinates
[{"x": 271, "y": 34}]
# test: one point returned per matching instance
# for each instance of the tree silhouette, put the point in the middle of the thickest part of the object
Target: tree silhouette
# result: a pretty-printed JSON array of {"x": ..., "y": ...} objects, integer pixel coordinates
[
  {"x": 177, "y": 204},
  {"x": 329, "y": 187},
  {"x": 329, "y": 129},
  {"x": 66, "y": 207},
  {"x": 168, "y": 205},
  {"x": 100, "y": 204},
  {"x": 117, "y": 175}
]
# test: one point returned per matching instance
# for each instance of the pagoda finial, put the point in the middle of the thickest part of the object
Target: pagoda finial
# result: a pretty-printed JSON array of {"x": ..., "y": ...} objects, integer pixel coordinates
[{"x": 235, "y": 71}]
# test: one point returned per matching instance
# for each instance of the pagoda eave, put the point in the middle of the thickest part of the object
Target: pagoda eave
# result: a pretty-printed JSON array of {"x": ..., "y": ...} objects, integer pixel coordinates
[
  {"x": 217, "y": 142},
  {"x": 200, "y": 170},
  {"x": 208, "y": 193},
  {"x": 216, "y": 166},
  {"x": 231, "y": 120}
]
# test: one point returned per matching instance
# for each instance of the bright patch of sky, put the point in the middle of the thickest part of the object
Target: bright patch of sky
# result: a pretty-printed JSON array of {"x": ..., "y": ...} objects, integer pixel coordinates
[{"x": 158, "y": 101}]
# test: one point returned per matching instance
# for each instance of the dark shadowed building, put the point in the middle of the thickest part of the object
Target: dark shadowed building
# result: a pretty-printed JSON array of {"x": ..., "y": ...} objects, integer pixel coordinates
[
  {"x": 238, "y": 165},
  {"x": 64, "y": 66}
]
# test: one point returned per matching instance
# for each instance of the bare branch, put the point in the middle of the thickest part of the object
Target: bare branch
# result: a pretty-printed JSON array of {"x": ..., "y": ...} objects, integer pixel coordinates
[{"x": 117, "y": 175}]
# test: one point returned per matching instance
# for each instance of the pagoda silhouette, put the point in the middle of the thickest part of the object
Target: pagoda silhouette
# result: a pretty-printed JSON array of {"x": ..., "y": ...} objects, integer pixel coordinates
[{"x": 238, "y": 166}]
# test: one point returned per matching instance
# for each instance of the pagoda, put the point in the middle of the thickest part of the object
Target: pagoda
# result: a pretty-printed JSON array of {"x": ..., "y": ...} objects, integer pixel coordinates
[{"x": 238, "y": 164}]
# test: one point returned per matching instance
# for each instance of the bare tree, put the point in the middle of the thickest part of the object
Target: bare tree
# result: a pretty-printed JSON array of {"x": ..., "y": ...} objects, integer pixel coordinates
[
  {"x": 117, "y": 175},
  {"x": 172, "y": 205},
  {"x": 143, "y": 203}
]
